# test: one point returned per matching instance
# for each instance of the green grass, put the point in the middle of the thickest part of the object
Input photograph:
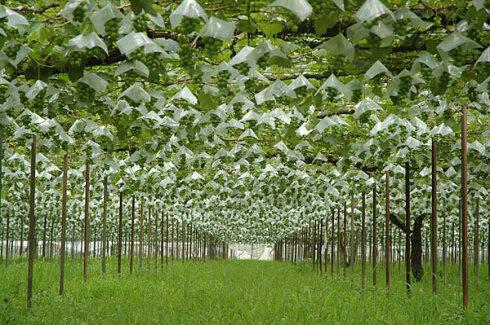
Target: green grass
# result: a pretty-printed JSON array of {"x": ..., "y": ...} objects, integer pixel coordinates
[{"x": 231, "y": 292}]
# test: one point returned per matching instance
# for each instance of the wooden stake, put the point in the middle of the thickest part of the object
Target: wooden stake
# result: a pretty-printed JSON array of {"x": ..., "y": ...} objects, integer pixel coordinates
[
  {"x": 86, "y": 222},
  {"x": 374, "y": 235},
  {"x": 408, "y": 212},
  {"x": 476, "y": 243},
  {"x": 387, "y": 231},
  {"x": 131, "y": 245},
  {"x": 363, "y": 240},
  {"x": 464, "y": 204},
  {"x": 63, "y": 222},
  {"x": 32, "y": 222},
  {"x": 104, "y": 225},
  {"x": 119, "y": 234},
  {"x": 433, "y": 232}
]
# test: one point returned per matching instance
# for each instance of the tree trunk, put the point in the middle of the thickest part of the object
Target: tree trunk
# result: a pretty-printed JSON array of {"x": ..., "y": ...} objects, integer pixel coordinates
[{"x": 416, "y": 242}]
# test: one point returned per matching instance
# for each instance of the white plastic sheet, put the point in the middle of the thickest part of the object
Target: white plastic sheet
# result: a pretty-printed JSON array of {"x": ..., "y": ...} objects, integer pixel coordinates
[
  {"x": 218, "y": 28},
  {"x": 301, "y": 8},
  {"x": 188, "y": 8}
]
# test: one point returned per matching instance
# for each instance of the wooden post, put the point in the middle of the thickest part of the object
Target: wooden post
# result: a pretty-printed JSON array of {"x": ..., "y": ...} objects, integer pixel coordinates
[
  {"x": 352, "y": 246},
  {"x": 387, "y": 231},
  {"x": 86, "y": 222},
  {"x": 332, "y": 241},
  {"x": 140, "y": 241},
  {"x": 119, "y": 234},
  {"x": 131, "y": 239},
  {"x": 104, "y": 225},
  {"x": 344, "y": 251},
  {"x": 162, "y": 239},
  {"x": 408, "y": 212},
  {"x": 63, "y": 222},
  {"x": 433, "y": 232},
  {"x": 374, "y": 239},
  {"x": 326, "y": 245},
  {"x": 363, "y": 240},
  {"x": 7, "y": 240},
  {"x": 464, "y": 204},
  {"x": 313, "y": 250},
  {"x": 32, "y": 222},
  {"x": 338, "y": 239},
  {"x": 166, "y": 238},
  {"x": 476, "y": 243},
  {"x": 1, "y": 188}
]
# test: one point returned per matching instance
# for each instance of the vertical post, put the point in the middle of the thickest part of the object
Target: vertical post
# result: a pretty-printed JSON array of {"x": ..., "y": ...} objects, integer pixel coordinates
[
  {"x": 408, "y": 278},
  {"x": 332, "y": 241},
  {"x": 104, "y": 225},
  {"x": 433, "y": 223},
  {"x": 444, "y": 243},
  {"x": 387, "y": 231},
  {"x": 21, "y": 233},
  {"x": 148, "y": 236},
  {"x": 326, "y": 245},
  {"x": 374, "y": 235},
  {"x": 131, "y": 240},
  {"x": 363, "y": 240},
  {"x": 7, "y": 240},
  {"x": 119, "y": 234},
  {"x": 140, "y": 241},
  {"x": 320, "y": 244},
  {"x": 338, "y": 239},
  {"x": 313, "y": 249},
  {"x": 464, "y": 204},
  {"x": 161, "y": 239},
  {"x": 63, "y": 222},
  {"x": 166, "y": 238},
  {"x": 86, "y": 221},
  {"x": 476, "y": 243},
  {"x": 1, "y": 188},
  {"x": 32, "y": 222},
  {"x": 344, "y": 239},
  {"x": 352, "y": 248}
]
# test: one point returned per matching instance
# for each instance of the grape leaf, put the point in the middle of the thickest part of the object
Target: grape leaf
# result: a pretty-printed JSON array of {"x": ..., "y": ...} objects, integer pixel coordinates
[
  {"x": 325, "y": 22},
  {"x": 271, "y": 29}
]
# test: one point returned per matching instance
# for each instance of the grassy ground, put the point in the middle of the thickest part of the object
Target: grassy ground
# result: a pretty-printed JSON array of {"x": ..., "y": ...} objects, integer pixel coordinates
[{"x": 231, "y": 292}]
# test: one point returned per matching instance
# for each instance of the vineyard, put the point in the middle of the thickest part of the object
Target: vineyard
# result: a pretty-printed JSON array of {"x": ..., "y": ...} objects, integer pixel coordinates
[{"x": 242, "y": 161}]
